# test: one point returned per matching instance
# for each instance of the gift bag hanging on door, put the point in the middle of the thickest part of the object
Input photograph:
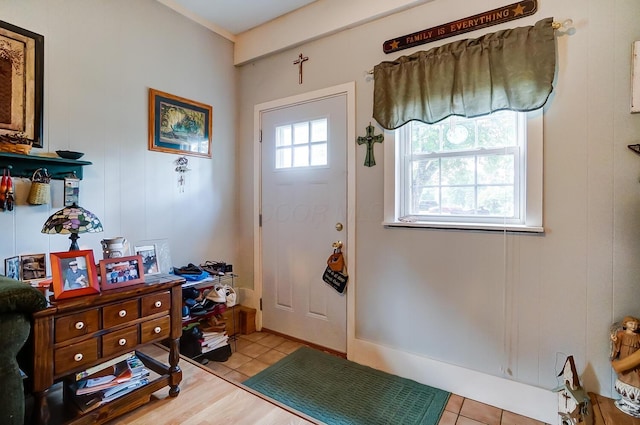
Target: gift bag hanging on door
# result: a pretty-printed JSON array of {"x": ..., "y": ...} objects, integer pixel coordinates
[{"x": 335, "y": 273}]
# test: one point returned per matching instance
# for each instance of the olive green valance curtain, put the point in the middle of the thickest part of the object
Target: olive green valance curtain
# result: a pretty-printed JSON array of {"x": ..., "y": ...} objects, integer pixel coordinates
[{"x": 510, "y": 69}]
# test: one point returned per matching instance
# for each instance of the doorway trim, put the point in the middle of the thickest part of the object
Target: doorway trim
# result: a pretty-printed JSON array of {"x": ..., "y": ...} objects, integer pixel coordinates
[{"x": 348, "y": 89}]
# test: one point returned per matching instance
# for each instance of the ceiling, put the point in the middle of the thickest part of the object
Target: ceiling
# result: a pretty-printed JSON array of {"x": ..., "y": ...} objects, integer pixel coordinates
[
  {"x": 258, "y": 28},
  {"x": 237, "y": 16}
]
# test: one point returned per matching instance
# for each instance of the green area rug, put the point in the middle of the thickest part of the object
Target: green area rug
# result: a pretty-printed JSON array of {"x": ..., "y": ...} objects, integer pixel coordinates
[{"x": 338, "y": 391}]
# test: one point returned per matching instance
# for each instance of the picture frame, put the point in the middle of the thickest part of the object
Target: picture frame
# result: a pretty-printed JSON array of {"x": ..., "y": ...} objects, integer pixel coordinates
[
  {"x": 163, "y": 253},
  {"x": 121, "y": 271},
  {"x": 179, "y": 125},
  {"x": 67, "y": 282},
  {"x": 22, "y": 75},
  {"x": 149, "y": 258},
  {"x": 12, "y": 267},
  {"x": 33, "y": 266}
]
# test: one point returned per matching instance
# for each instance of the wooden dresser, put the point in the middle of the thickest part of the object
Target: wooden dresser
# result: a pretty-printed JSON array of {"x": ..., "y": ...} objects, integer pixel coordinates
[{"x": 75, "y": 334}]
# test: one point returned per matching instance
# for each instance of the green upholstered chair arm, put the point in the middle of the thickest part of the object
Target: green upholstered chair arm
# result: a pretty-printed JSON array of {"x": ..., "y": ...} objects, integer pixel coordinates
[{"x": 19, "y": 297}]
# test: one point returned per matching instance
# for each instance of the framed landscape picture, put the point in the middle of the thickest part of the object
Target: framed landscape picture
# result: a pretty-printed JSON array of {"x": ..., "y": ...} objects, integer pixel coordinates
[
  {"x": 179, "y": 125},
  {"x": 21, "y": 77}
]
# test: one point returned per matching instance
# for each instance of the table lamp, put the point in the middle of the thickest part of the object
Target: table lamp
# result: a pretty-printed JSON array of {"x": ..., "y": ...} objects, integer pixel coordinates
[{"x": 73, "y": 220}]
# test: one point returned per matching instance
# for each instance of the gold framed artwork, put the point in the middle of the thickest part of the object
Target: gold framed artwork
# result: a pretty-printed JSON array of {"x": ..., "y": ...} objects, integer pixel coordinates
[
  {"x": 21, "y": 83},
  {"x": 179, "y": 125}
]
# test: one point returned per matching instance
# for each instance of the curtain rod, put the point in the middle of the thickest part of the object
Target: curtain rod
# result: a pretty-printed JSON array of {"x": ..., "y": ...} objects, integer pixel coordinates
[{"x": 566, "y": 25}]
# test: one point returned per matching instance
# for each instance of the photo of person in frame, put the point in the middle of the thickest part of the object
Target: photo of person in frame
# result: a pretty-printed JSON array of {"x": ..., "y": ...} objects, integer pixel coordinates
[
  {"x": 75, "y": 275},
  {"x": 149, "y": 259}
]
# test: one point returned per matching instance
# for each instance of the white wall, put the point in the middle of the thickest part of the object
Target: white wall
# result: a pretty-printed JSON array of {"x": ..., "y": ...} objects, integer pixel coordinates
[
  {"x": 506, "y": 306},
  {"x": 101, "y": 57}
]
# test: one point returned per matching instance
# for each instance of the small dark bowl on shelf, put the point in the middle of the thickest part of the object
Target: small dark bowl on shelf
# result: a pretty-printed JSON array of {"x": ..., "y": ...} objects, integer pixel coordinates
[{"x": 69, "y": 154}]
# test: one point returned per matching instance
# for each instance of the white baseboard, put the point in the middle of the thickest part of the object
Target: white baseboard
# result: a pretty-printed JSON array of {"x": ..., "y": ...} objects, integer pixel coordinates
[{"x": 523, "y": 399}]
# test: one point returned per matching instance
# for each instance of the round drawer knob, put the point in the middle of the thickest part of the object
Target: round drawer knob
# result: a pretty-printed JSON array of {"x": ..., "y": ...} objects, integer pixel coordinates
[
  {"x": 122, "y": 341},
  {"x": 157, "y": 329},
  {"x": 158, "y": 304},
  {"x": 78, "y": 357},
  {"x": 122, "y": 313},
  {"x": 79, "y": 325}
]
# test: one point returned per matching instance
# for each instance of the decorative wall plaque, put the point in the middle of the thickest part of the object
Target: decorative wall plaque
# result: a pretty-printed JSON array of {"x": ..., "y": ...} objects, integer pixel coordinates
[{"x": 461, "y": 26}]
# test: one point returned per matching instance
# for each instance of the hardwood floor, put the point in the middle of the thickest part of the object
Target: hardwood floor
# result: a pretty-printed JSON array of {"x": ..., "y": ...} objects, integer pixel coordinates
[
  {"x": 212, "y": 394},
  {"x": 206, "y": 398}
]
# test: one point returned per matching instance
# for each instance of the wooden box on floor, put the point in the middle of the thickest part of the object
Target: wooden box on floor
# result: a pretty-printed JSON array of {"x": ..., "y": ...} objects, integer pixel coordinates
[
  {"x": 231, "y": 317},
  {"x": 247, "y": 320}
]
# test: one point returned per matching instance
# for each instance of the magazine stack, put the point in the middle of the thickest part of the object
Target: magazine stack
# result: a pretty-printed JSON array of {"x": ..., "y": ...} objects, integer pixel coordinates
[
  {"x": 213, "y": 340},
  {"x": 108, "y": 381}
]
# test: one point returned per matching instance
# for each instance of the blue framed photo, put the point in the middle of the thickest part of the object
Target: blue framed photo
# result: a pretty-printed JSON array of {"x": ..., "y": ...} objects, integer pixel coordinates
[{"x": 178, "y": 125}]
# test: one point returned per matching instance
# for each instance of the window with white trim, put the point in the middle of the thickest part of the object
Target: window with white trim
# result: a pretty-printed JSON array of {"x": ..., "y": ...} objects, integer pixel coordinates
[
  {"x": 302, "y": 144},
  {"x": 476, "y": 173}
]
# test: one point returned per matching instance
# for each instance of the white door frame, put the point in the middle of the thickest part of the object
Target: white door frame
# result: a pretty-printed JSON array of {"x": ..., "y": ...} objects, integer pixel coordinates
[{"x": 349, "y": 89}]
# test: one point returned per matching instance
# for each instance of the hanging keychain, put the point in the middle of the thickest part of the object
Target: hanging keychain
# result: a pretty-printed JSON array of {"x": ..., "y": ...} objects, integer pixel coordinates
[
  {"x": 9, "y": 195},
  {"x": 3, "y": 191}
]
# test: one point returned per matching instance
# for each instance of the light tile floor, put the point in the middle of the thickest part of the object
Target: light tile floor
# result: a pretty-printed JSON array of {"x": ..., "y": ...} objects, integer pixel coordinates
[{"x": 254, "y": 352}]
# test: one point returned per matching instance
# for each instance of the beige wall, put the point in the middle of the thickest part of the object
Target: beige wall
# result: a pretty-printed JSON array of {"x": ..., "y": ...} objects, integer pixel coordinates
[{"x": 509, "y": 306}]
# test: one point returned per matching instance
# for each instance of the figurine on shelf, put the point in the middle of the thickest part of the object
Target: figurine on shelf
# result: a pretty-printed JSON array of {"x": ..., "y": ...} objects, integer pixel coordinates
[{"x": 625, "y": 360}]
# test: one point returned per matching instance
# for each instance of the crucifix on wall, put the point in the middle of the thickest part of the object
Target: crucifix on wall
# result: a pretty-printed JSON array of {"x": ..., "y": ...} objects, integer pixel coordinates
[
  {"x": 301, "y": 59},
  {"x": 370, "y": 139}
]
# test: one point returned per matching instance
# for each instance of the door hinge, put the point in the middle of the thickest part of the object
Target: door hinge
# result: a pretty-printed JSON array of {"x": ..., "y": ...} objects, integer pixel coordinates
[
  {"x": 260, "y": 304},
  {"x": 260, "y": 220},
  {"x": 260, "y": 140}
]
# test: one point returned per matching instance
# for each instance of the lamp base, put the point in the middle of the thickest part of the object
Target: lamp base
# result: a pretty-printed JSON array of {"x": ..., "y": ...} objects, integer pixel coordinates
[{"x": 74, "y": 242}]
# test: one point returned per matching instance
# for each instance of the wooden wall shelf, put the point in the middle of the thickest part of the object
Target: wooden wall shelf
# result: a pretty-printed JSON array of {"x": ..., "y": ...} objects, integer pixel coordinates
[{"x": 25, "y": 165}]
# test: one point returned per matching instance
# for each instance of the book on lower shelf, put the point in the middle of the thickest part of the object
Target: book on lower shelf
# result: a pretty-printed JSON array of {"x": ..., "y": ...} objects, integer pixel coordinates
[
  {"x": 91, "y": 392},
  {"x": 104, "y": 368},
  {"x": 213, "y": 340},
  {"x": 131, "y": 368}
]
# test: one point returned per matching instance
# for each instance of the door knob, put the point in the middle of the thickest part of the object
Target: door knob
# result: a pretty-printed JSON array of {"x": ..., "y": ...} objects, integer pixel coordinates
[{"x": 339, "y": 227}]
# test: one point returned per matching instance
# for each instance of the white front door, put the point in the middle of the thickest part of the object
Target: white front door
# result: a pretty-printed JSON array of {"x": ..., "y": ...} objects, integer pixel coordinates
[{"x": 303, "y": 203}]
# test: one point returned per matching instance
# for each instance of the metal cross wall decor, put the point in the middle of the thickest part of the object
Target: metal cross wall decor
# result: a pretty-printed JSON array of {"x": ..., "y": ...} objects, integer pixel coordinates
[
  {"x": 301, "y": 59},
  {"x": 370, "y": 139}
]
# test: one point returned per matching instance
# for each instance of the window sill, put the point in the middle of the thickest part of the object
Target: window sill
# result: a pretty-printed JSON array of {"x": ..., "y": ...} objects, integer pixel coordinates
[{"x": 511, "y": 228}]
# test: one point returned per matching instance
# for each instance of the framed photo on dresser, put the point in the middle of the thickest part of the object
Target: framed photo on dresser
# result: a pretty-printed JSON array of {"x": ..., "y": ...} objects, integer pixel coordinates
[
  {"x": 74, "y": 274},
  {"x": 121, "y": 271}
]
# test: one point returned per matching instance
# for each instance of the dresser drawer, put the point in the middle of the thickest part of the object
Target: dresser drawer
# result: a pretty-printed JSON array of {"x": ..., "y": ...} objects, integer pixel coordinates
[
  {"x": 156, "y": 303},
  {"x": 155, "y": 329},
  {"x": 120, "y": 341},
  {"x": 75, "y": 355},
  {"x": 119, "y": 314},
  {"x": 77, "y": 324}
]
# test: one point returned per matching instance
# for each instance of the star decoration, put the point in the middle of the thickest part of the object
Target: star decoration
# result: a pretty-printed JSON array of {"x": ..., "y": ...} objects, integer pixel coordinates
[
  {"x": 394, "y": 44},
  {"x": 519, "y": 10}
]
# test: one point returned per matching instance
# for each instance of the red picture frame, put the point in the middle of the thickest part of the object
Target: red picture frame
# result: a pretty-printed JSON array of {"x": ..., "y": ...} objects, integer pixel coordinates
[
  {"x": 71, "y": 280},
  {"x": 121, "y": 271}
]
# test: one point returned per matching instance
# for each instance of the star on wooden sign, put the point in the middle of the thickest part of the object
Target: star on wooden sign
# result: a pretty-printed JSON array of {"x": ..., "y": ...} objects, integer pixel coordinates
[{"x": 370, "y": 139}]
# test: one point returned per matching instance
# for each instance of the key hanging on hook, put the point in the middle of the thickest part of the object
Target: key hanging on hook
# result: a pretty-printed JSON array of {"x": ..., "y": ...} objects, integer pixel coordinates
[{"x": 9, "y": 195}]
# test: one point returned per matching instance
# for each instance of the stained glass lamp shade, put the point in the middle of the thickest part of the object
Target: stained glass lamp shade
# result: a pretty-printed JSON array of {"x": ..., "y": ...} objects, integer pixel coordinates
[{"x": 72, "y": 220}]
